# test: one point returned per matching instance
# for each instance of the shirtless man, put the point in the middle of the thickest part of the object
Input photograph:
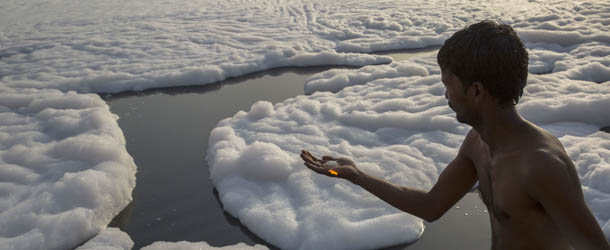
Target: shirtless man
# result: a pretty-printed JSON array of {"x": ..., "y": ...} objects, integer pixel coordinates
[{"x": 526, "y": 179}]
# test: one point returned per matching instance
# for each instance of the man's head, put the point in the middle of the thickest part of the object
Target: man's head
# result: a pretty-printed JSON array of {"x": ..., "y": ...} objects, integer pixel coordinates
[{"x": 489, "y": 53}]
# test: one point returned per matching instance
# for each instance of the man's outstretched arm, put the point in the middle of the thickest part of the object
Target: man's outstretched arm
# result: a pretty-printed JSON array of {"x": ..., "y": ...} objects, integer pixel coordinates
[{"x": 453, "y": 183}]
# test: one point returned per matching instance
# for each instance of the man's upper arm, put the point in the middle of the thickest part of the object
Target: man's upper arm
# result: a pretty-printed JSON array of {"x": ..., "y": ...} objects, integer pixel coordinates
[
  {"x": 456, "y": 179},
  {"x": 555, "y": 185}
]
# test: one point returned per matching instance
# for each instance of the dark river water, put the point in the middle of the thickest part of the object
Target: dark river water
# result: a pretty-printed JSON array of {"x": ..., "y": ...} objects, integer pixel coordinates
[{"x": 174, "y": 200}]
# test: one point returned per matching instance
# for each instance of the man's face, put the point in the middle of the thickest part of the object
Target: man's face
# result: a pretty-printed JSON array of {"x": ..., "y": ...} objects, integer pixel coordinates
[{"x": 456, "y": 96}]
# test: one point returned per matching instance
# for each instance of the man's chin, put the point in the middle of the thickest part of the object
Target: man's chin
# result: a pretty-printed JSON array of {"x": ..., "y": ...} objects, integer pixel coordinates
[
  {"x": 464, "y": 120},
  {"x": 460, "y": 118}
]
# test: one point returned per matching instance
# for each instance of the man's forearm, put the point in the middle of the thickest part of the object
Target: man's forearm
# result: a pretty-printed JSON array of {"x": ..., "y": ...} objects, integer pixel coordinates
[{"x": 410, "y": 200}]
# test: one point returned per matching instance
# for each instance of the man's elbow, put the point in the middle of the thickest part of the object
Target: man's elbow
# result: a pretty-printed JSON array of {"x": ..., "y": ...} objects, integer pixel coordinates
[
  {"x": 423, "y": 206},
  {"x": 431, "y": 216},
  {"x": 431, "y": 212}
]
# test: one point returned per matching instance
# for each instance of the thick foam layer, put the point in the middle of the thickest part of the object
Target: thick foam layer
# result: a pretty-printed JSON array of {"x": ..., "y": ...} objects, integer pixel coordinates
[
  {"x": 65, "y": 171},
  {"x": 109, "y": 239},
  {"x": 54, "y": 144}
]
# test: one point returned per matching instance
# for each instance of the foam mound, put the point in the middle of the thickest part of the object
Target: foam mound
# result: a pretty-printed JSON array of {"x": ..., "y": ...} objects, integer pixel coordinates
[
  {"x": 65, "y": 170},
  {"x": 109, "y": 239}
]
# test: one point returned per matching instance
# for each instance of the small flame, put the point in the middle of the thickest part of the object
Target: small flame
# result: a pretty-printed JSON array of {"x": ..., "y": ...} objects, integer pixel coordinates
[{"x": 333, "y": 172}]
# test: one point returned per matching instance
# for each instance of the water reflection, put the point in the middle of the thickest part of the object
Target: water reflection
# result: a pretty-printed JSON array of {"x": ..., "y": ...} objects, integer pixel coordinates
[{"x": 191, "y": 88}]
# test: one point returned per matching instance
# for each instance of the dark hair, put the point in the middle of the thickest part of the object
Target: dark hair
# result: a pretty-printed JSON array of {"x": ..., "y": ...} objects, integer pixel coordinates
[{"x": 491, "y": 53}]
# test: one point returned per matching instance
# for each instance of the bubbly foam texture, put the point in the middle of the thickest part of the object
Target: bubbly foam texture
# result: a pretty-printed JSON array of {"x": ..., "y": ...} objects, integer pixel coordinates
[{"x": 64, "y": 163}]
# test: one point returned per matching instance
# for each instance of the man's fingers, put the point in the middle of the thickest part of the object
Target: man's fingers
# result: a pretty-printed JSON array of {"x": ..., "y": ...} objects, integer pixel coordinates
[
  {"x": 313, "y": 163},
  {"x": 308, "y": 154},
  {"x": 305, "y": 155},
  {"x": 316, "y": 168},
  {"x": 328, "y": 158},
  {"x": 311, "y": 166},
  {"x": 320, "y": 166}
]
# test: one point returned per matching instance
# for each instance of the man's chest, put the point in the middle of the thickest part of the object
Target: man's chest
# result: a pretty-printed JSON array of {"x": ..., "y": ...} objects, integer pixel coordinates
[{"x": 502, "y": 190}]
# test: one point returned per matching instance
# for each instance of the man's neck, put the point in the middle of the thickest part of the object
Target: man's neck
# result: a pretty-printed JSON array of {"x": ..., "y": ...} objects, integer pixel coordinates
[{"x": 500, "y": 127}]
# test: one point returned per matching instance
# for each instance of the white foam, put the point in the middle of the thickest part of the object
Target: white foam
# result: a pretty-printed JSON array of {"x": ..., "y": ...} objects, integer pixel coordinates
[
  {"x": 337, "y": 79},
  {"x": 65, "y": 171},
  {"x": 46, "y": 47},
  {"x": 115, "y": 239},
  {"x": 109, "y": 239},
  {"x": 185, "y": 245},
  {"x": 64, "y": 163}
]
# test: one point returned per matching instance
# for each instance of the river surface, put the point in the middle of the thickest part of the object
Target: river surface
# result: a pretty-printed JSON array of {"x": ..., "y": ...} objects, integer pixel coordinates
[{"x": 174, "y": 199}]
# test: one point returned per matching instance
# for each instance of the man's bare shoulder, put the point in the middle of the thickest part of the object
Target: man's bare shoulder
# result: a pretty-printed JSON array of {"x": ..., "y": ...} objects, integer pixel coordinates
[
  {"x": 537, "y": 154},
  {"x": 545, "y": 155},
  {"x": 471, "y": 142},
  {"x": 543, "y": 159}
]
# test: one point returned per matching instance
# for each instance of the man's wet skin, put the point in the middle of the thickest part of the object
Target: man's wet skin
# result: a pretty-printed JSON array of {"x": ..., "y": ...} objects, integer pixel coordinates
[
  {"x": 519, "y": 166},
  {"x": 517, "y": 221}
]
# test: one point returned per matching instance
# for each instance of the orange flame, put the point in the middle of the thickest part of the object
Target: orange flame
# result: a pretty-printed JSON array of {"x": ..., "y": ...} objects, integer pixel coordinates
[{"x": 333, "y": 172}]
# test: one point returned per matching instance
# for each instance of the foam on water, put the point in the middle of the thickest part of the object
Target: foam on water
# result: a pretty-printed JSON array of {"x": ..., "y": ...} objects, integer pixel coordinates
[
  {"x": 64, "y": 163},
  {"x": 65, "y": 170}
]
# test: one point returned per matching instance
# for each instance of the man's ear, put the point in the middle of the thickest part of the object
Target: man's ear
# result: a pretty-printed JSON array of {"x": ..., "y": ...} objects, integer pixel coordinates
[{"x": 477, "y": 90}]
